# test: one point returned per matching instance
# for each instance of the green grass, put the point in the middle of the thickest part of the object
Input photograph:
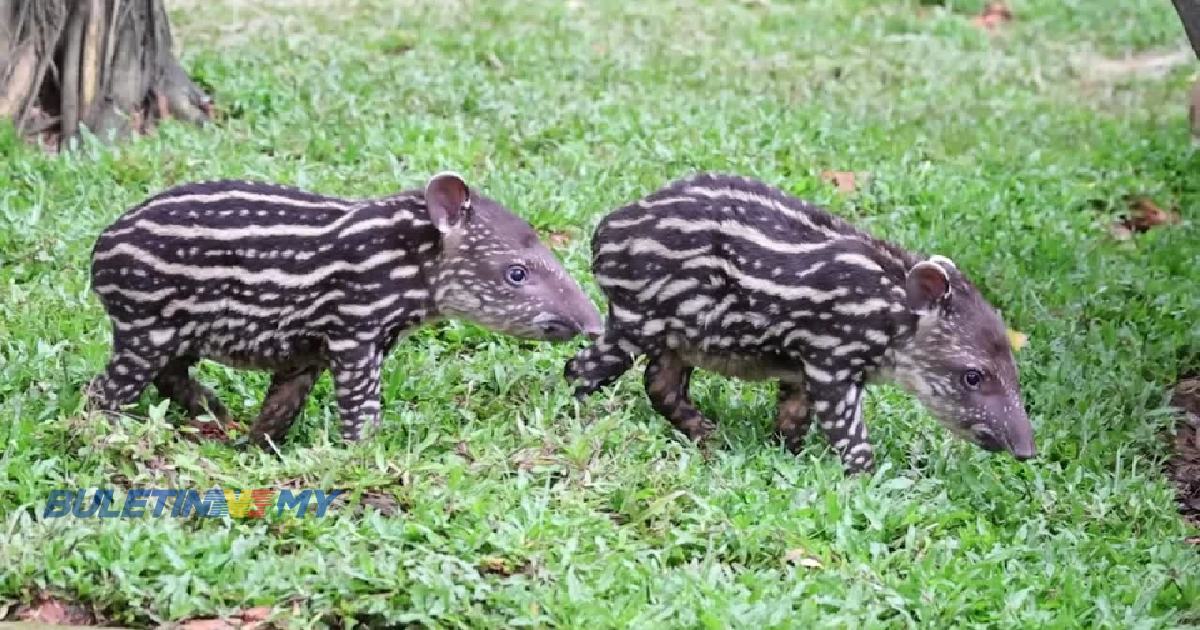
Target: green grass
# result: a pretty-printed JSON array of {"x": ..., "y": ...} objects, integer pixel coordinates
[{"x": 986, "y": 149}]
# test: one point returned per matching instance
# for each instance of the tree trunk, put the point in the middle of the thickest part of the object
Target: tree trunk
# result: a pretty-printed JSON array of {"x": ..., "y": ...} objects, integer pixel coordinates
[
  {"x": 103, "y": 65},
  {"x": 1189, "y": 14}
]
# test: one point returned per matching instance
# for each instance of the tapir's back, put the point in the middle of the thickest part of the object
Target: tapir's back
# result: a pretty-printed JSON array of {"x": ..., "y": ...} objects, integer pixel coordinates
[{"x": 724, "y": 262}]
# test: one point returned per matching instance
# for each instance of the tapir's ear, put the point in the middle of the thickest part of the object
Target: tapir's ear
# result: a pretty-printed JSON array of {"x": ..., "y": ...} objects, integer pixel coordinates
[
  {"x": 448, "y": 201},
  {"x": 928, "y": 284}
]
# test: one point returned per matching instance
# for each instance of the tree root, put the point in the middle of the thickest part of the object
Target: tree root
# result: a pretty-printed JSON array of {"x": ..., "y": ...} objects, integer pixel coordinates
[{"x": 101, "y": 65}]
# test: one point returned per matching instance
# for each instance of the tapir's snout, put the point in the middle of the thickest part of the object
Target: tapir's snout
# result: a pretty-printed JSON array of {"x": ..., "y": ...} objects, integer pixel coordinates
[{"x": 1020, "y": 437}]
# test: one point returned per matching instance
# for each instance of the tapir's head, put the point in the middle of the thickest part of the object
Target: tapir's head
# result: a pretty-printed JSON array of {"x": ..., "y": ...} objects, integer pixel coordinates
[
  {"x": 959, "y": 363},
  {"x": 494, "y": 271}
]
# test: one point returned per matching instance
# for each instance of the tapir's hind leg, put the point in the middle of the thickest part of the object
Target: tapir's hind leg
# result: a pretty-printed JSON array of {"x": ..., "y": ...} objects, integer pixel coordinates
[{"x": 285, "y": 399}]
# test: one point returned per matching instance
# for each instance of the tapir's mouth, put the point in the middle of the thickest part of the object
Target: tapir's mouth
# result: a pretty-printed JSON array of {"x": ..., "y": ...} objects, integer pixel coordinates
[
  {"x": 558, "y": 330},
  {"x": 988, "y": 441}
]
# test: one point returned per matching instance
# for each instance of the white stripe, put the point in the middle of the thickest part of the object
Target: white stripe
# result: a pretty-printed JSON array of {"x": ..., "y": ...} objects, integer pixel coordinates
[
  {"x": 693, "y": 305},
  {"x": 637, "y": 246},
  {"x": 242, "y": 275},
  {"x": 853, "y": 346},
  {"x": 404, "y": 271},
  {"x": 766, "y": 202},
  {"x": 416, "y": 294},
  {"x": 741, "y": 230},
  {"x": 311, "y": 309},
  {"x": 867, "y": 307},
  {"x": 138, "y": 296},
  {"x": 625, "y": 314},
  {"x": 665, "y": 201},
  {"x": 876, "y": 335},
  {"x": 624, "y": 223},
  {"x": 195, "y": 306},
  {"x": 364, "y": 310},
  {"x": 815, "y": 340},
  {"x": 325, "y": 319},
  {"x": 678, "y": 286},
  {"x": 620, "y": 283},
  {"x": 859, "y": 260},
  {"x": 817, "y": 374},
  {"x": 766, "y": 286},
  {"x": 653, "y": 289},
  {"x": 283, "y": 200},
  {"x": 341, "y": 345},
  {"x": 371, "y": 224}
]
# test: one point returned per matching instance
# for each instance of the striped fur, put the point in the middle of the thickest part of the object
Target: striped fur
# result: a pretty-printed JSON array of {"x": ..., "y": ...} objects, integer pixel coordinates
[
  {"x": 732, "y": 275},
  {"x": 268, "y": 277}
]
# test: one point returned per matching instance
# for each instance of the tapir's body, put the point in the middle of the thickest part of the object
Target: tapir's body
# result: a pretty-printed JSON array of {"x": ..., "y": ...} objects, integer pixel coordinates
[
  {"x": 734, "y": 276},
  {"x": 273, "y": 278}
]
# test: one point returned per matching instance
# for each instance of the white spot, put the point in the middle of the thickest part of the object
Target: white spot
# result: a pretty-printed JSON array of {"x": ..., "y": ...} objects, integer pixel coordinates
[{"x": 161, "y": 336}]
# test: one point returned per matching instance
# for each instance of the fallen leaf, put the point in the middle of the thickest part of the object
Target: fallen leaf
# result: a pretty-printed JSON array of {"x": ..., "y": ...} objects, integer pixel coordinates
[
  {"x": 559, "y": 239},
  {"x": 496, "y": 566},
  {"x": 845, "y": 181},
  {"x": 1120, "y": 232},
  {"x": 994, "y": 14},
  {"x": 1017, "y": 339},
  {"x": 1193, "y": 540},
  {"x": 1153, "y": 64},
  {"x": 261, "y": 613},
  {"x": 463, "y": 451},
  {"x": 48, "y": 609},
  {"x": 248, "y": 619},
  {"x": 801, "y": 557},
  {"x": 211, "y": 429},
  {"x": 207, "y": 624},
  {"x": 1145, "y": 214}
]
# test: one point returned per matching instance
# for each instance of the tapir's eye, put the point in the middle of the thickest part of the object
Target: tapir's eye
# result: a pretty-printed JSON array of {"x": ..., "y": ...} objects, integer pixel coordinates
[
  {"x": 972, "y": 378},
  {"x": 516, "y": 275}
]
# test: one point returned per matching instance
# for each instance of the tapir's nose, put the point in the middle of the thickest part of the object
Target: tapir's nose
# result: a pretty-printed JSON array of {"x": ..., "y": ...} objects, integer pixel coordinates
[
  {"x": 593, "y": 333},
  {"x": 1020, "y": 438},
  {"x": 1026, "y": 452},
  {"x": 591, "y": 324}
]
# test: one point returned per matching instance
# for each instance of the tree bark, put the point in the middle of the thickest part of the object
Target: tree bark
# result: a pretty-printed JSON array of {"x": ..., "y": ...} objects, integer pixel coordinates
[
  {"x": 1189, "y": 14},
  {"x": 101, "y": 65}
]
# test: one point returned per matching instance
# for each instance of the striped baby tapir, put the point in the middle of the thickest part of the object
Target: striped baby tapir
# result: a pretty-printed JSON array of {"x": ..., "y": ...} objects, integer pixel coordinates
[
  {"x": 268, "y": 277},
  {"x": 734, "y": 276}
]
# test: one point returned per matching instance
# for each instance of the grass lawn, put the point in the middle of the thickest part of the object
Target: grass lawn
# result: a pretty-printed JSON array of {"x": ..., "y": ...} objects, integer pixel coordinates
[{"x": 499, "y": 501}]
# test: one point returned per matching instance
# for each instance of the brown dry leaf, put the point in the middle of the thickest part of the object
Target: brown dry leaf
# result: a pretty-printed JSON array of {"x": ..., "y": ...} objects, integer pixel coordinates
[
  {"x": 495, "y": 566},
  {"x": 1017, "y": 339},
  {"x": 248, "y": 619},
  {"x": 1193, "y": 540},
  {"x": 47, "y": 609},
  {"x": 384, "y": 502},
  {"x": 1119, "y": 231},
  {"x": 1145, "y": 214},
  {"x": 559, "y": 239},
  {"x": 211, "y": 429},
  {"x": 207, "y": 624},
  {"x": 845, "y": 181},
  {"x": 995, "y": 14},
  {"x": 801, "y": 557},
  {"x": 463, "y": 451}
]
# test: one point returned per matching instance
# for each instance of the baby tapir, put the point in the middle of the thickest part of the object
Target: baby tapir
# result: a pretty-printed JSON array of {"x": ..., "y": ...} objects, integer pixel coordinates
[
  {"x": 732, "y": 275},
  {"x": 269, "y": 277}
]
